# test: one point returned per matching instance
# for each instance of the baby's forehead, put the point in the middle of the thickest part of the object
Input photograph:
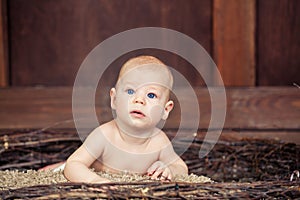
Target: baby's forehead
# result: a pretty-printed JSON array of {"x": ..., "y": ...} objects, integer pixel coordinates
[
  {"x": 147, "y": 85},
  {"x": 147, "y": 75},
  {"x": 150, "y": 67}
]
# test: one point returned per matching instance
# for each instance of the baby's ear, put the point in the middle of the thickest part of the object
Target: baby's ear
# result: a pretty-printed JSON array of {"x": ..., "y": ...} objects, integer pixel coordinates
[
  {"x": 168, "y": 107},
  {"x": 112, "y": 94}
]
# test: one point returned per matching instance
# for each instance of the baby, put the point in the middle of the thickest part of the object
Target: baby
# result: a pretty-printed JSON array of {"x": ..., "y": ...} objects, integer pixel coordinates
[{"x": 131, "y": 142}]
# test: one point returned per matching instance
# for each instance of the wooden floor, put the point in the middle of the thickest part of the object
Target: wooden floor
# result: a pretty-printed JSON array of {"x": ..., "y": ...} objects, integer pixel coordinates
[{"x": 263, "y": 112}]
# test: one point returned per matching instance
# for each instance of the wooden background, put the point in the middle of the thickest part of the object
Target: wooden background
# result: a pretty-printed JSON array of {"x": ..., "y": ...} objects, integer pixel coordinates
[{"x": 253, "y": 42}]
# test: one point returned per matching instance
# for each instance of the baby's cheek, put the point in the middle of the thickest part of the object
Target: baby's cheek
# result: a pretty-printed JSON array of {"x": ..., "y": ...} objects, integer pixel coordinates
[{"x": 156, "y": 112}]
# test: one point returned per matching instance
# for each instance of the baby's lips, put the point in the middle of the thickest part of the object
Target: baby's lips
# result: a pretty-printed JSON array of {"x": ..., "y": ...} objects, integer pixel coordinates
[{"x": 137, "y": 113}]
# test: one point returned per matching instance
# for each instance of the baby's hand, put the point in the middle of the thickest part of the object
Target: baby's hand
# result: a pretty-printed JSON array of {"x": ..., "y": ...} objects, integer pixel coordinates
[{"x": 159, "y": 170}]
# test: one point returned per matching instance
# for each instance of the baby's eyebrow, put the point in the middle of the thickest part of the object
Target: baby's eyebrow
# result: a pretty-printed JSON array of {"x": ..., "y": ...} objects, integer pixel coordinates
[
  {"x": 157, "y": 86},
  {"x": 129, "y": 84},
  {"x": 154, "y": 88}
]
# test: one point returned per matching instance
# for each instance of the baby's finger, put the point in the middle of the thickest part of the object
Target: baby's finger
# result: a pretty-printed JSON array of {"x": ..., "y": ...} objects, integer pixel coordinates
[
  {"x": 152, "y": 168},
  {"x": 157, "y": 173},
  {"x": 170, "y": 177},
  {"x": 166, "y": 175}
]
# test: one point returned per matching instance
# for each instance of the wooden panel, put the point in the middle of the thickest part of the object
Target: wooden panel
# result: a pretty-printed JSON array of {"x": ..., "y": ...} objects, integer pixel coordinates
[
  {"x": 247, "y": 109},
  {"x": 3, "y": 45},
  {"x": 233, "y": 41},
  {"x": 33, "y": 107},
  {"x": 264, "y": 108},
  {"x": 292, "y": 136},
  {"x": 282, "y": 135},
  {"x": 50, "y": 39},
  {"x": 278, "y": 42}
]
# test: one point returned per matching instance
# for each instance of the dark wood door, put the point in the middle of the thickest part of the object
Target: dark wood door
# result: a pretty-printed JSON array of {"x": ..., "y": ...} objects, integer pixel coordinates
[{"x": 49, "y": 39}]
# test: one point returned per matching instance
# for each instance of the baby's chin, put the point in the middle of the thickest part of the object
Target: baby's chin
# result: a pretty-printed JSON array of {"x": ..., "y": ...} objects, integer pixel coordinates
[{"x": 137, "y": 129}]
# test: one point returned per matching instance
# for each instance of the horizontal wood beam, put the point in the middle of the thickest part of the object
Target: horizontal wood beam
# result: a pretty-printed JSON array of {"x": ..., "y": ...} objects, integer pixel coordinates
[{"x": 263, "y": 108}]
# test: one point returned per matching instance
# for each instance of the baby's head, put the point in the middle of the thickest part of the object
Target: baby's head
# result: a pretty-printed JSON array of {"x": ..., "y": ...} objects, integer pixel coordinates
[
  {"x": 150, "y": 64},
  {"x": 141, "y": 95}
]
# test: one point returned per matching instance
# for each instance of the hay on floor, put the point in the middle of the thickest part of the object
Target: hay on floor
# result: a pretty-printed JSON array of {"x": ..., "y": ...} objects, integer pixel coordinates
[
  {"x": 158, "y": 190},
  {"x": 251, "y": 169},
  {"x": 12, "y": 179},
  {"x": 232, "y": 160}
]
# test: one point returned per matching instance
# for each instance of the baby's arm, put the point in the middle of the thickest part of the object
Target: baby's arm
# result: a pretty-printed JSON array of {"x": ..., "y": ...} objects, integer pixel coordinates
[
  {"x": 176, "y": 165},
  {"x": 77, "y": 165},
  {"x": 169, "y": 163}
]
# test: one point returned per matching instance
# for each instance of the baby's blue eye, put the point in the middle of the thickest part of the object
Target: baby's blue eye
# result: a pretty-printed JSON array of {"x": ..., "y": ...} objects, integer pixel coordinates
[
  {"x": 130, "y": 91},
  {"x": 151, "y": 95}
]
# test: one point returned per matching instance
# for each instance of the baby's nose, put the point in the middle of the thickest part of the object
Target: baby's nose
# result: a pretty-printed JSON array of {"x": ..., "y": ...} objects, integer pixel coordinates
[{"x": 139, "y": 100}]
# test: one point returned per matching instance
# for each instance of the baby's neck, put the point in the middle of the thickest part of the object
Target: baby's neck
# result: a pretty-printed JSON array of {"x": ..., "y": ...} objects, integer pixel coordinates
[{"x": 135, "y": 136}]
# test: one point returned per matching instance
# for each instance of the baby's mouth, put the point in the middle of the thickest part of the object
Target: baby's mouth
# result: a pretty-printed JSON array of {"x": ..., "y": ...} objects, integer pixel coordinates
[{"x": 137, "y": 113}]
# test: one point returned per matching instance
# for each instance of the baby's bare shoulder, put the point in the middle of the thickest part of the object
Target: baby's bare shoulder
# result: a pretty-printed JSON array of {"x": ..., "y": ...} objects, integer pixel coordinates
[
  {"x": 107, "y": 128},
  {"x": 160, "y": 138},
  {"x": 103, "y": 130}
]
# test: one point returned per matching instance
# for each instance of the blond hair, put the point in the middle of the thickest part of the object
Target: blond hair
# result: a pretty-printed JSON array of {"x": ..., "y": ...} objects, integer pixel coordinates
[{"x": 144, "y": 60}]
